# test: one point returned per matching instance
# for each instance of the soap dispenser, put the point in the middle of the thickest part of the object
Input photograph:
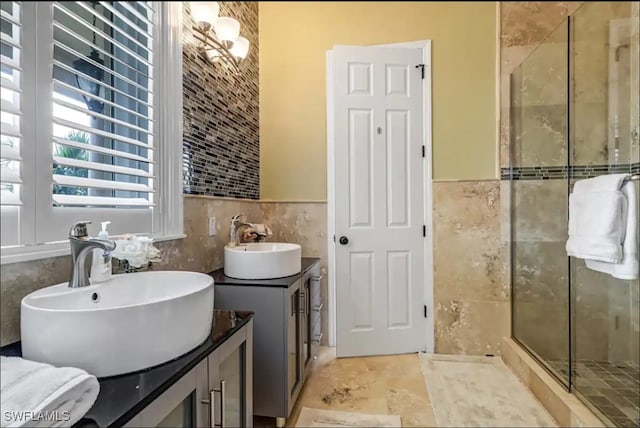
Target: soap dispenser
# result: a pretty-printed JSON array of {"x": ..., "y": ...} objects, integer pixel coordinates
[{"x": 101, "y": 263}]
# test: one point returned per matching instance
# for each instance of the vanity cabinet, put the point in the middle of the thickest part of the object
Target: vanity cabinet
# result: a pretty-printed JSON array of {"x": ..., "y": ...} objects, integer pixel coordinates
[
  {"x": 287, "y": 330},
  {"x": 217, "y": 392}
]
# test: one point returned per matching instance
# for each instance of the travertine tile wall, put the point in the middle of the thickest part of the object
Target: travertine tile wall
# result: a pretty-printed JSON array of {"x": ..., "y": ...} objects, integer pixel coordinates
[
  {"x": 303, "y": 223},
  {"x": 524, "y": 25},
  {"x": 221, "y": 143},
  {"x": 540, "y": 316},
  {"x": 604, "y": 325},
  {"x": 471, "y": 292}
]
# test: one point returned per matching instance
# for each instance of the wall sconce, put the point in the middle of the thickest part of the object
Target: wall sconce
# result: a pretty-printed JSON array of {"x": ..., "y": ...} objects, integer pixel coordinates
[
  {"x": 219, "y": 37},
  {"x": 91, "y": 86},
  {"x": 91, "y": 68}
]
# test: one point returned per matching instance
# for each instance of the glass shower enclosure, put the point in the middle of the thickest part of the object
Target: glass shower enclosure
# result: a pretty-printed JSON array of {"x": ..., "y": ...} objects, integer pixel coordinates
[{"x": 574, "y": 115}]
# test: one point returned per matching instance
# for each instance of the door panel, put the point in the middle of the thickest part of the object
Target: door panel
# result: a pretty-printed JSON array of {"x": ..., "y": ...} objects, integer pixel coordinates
[
  {"x": 360, "y": 78},
  {"x": 360, "y": 167},
  {"x": 379, "y": 200},
  {"x": 397, "y": 145},
  {"x": 361, "y": 283},
  {"x": 398, "y": 305},
  {"x": 397, "y": 79}
]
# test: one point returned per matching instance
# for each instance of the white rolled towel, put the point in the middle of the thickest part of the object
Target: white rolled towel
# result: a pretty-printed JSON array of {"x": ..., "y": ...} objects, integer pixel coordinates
[{"x": 36, "y": 394}]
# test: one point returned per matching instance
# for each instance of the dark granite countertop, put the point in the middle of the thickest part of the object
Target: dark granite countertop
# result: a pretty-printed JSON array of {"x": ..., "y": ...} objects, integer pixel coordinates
[
  {"x": 122, "y": 397},
  {"x": 221, "y": 279}
]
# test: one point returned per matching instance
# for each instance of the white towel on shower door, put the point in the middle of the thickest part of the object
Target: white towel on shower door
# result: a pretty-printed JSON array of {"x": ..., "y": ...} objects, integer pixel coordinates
[
  {"x": 597, "y": 219},
  {"x": 628, "y": 268}
]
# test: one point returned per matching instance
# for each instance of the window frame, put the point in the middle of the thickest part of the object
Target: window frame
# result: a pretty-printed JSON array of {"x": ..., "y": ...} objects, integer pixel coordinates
[{"x": 167, "y": 214}]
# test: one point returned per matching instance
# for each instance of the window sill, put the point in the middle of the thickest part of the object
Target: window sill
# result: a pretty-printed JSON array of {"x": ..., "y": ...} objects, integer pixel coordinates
[{"x": 55, "y": 249}]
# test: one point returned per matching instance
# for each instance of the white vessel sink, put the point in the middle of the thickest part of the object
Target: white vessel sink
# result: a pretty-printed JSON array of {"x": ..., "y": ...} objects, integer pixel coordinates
[
  {"x": 132, "y": 322},
  {"x": 264, "y": 260}
]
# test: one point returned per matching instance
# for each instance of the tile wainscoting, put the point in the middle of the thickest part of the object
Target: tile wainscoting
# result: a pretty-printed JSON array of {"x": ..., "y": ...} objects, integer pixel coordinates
[
  {"x": 471, "y": 289},
  {"x": 471, "y": 295}
]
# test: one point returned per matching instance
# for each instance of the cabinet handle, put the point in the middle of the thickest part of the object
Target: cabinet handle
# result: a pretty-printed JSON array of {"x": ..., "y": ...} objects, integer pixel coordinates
[
  {"x": 317, "y": 278},
  {"x": 302, "y": 304},
  {"x": 318, "y": 308},
  {"x": 317, "y": 338},
  {"x": 222, "y": 403},
  {"x": 295, "y": 306},
  {"x": 212, "y": 405}
]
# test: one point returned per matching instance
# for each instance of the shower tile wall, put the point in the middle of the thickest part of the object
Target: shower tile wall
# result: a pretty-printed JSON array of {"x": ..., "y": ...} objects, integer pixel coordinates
[
  {"x": 594, "y": 84},
  {"x": 541, "y": 113},
  {"x": 541, "y": 264},
  {"x": 605, "y": 106},
  {"x": 605, "y": 322},
  {"x": 524, "y": 25},
  {"x": 539, "y": 138}
]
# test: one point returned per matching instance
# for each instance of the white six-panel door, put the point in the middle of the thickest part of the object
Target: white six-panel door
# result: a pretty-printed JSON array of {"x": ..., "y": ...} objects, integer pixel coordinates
[{"x": 377, "y": 97}]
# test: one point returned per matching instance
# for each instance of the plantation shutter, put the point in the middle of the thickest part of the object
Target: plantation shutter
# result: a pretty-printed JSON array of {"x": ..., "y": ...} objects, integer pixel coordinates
[
  {"x": 103, "y": 146},
  {"x": 11, "y": 118}
]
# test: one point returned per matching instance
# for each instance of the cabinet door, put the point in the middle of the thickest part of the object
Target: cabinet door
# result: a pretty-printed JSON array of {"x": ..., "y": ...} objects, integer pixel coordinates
[
  {"x": 306, "y": 322},
  {"x": 230, "y": 380},
  {"x": 180, "y": 405},
  {"x": 315, "y": 311},
  {"x": 294, "y": 344}
]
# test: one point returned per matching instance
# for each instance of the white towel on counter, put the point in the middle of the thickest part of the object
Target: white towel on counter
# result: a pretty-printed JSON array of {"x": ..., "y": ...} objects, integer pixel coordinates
[
  {"x": 597, "y": 219},
  {"x": 35, "y": 394},
  {"x": 628, "y": 268}
]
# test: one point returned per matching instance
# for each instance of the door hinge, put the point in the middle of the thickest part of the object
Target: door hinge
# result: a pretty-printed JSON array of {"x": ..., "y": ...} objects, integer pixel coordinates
[
  {"x": 421, "y": 66},
  {"x": 424, "y": 151},
  {"x": 424, "y": 230},
  {"x": 425, "y": 311}
]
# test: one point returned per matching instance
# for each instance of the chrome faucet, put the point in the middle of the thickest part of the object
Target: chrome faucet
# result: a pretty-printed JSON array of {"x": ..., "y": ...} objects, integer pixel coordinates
[
  {"x": 234, "y": 229},
  {"x": 81, "y": 247}
]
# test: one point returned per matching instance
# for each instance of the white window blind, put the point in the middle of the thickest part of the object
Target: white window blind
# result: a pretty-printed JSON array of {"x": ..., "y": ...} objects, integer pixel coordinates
[
  {"x": 91, "y": 121},
  {"x": 11, "y": 118},
  {"x": 103, "y": 104}
]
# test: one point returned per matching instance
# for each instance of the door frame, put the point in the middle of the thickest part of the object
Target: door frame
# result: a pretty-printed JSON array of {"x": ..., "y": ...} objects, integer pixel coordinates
[{"x": 425, "y": 46}]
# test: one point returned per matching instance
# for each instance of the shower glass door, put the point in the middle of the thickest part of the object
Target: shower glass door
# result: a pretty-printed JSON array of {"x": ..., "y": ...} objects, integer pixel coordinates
[
  {"x": 539, "y": 149},
  {"x": 574, "y": 115}
]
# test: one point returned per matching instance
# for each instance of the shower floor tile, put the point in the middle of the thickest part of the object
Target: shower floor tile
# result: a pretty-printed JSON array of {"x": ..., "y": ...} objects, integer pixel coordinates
[{"x": 613, "y": 388}]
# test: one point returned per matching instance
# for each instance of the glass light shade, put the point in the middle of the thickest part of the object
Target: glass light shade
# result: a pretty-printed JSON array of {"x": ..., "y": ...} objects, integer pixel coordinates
[
  {"x": 205, "y": 11},
  {"x": 212, "y": 55},
  {"x": 240, "y": 48},
  {"x": 227, "y": 29}
]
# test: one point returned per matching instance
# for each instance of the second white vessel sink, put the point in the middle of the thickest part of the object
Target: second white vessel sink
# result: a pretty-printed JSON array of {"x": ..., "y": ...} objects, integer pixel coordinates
[
  {"x": 264, "y": 260},
  {"x": 132, "y": 322}
]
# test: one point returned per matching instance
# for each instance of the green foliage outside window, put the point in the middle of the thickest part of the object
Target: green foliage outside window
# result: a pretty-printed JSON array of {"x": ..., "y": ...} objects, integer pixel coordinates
[{"x": 73, "y": 153}]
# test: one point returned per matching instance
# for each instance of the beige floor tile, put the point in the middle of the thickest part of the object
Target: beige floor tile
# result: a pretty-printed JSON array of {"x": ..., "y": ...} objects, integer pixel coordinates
[{"x": 390, "y": 384}]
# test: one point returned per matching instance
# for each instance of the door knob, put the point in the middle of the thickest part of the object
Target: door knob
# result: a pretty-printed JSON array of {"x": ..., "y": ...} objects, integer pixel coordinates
[{"x": 344, "y": 240}]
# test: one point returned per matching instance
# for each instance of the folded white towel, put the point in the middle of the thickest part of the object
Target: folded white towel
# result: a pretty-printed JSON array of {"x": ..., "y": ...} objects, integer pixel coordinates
[
  {"x": 628, "y": 267},
  {"x": 257, "y": 230},
  {"x": 597, "y": 219},
  {"x": 39, "y": 395},
  {"x": 261, "y": 229}
]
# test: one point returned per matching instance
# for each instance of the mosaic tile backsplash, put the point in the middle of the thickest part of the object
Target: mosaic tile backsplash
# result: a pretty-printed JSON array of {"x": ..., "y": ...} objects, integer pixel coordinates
[
  {"x": 221, "y": 145},
  {"x": 562, "y": 172}
]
